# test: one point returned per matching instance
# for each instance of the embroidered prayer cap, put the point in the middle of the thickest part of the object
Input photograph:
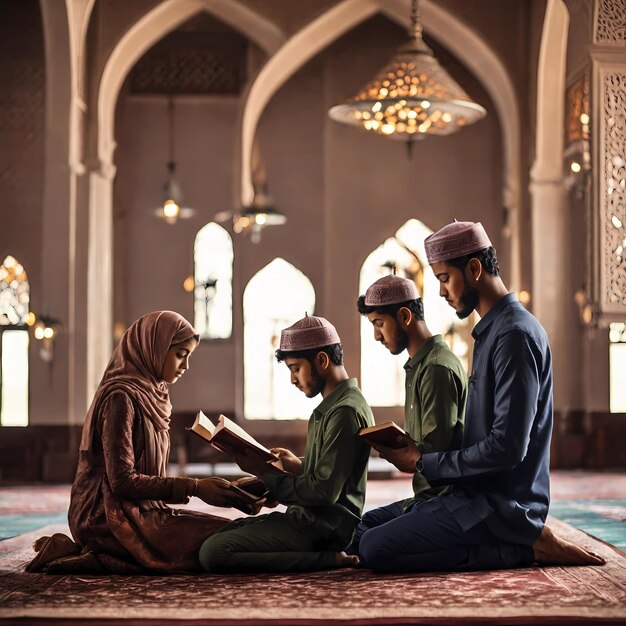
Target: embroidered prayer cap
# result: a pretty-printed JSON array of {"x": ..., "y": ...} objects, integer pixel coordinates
[
  {"x": 390, "y": 290},
  {"x": 308, "y": 333},
  {"x": 455, "y": 240}
]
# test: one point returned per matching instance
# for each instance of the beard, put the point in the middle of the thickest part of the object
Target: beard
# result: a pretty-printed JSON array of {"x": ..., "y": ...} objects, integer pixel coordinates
[
  {"x": 315, "y": 384},
  {"x": 401, "y": 340},
  {"x": 469, "y": 300}
]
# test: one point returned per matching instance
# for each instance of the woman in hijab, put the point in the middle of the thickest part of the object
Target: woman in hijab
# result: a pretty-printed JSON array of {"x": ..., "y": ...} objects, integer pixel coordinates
[{"x": 117, "y": 515}]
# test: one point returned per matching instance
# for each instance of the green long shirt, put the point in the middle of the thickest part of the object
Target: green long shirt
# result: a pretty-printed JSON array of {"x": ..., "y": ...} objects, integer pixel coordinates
[
  {"x": 434, "y": 407},
  {"x": 330, "y": 491}
]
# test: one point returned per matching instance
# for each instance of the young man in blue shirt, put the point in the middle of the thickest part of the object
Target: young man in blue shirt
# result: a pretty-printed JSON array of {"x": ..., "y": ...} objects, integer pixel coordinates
[{"x": 495, "y": 516}]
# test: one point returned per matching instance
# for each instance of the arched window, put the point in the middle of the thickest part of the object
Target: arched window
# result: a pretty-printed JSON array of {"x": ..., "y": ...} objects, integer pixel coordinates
[
  {"x": 213, "y": 282},
  {"x": 382, "y": 374},
  {"x": 14, "y": 314},
  {"x": 276, "y": 297}
]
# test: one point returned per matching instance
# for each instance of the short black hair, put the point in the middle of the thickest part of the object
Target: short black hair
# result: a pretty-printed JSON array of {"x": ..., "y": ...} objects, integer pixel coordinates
[
  {"x": 334, "y": 352},
  {"x": 415, "y": 306},
  {"x": 486, "y": 256}
]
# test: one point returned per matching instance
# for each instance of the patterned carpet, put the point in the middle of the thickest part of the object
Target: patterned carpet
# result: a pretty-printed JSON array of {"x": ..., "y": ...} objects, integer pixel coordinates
[{"x": 548, "y": 595}]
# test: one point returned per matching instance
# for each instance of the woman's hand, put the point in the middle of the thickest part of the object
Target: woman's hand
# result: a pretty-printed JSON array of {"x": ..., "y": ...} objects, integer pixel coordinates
[
  {"x": 216, "y": 491},
  {"x": 290, "y": 462}
]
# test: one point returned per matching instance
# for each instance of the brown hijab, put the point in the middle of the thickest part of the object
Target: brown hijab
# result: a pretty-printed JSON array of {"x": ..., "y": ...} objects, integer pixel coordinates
[{"x": 135, "y": 368}]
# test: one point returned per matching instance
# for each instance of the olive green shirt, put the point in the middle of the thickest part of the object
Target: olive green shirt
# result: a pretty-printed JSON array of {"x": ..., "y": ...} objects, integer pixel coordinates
[
  {"x": 434, "y": 407},
  {"x": 330, "y": 491}
]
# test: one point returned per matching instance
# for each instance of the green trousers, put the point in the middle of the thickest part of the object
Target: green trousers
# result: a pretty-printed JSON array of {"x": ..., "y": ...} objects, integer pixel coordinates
[{"x": 270, "y": 543}]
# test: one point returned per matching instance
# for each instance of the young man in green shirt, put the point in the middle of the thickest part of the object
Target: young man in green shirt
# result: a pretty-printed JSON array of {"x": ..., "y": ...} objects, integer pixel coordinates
[
  {"x": 436, "y": 384},
  {"x": 325, "y": 490}
]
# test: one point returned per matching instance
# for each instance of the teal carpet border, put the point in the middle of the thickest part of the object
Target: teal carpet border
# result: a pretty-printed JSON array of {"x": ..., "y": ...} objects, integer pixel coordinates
[{"x": 611, "y": 529}]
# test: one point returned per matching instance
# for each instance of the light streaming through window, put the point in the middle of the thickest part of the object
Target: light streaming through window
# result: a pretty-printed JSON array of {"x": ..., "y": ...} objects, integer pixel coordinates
[
  {"x": 213, "y": 278},
  {"x": 14, "y": 315},
  {"x": 14, "y": 407},
  {"x": 276, "y": 297}
]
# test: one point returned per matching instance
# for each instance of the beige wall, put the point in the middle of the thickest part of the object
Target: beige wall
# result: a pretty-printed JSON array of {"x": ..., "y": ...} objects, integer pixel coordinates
[
  {"x": 344, "y": 193},
  {"x": 346, "y": 190}
]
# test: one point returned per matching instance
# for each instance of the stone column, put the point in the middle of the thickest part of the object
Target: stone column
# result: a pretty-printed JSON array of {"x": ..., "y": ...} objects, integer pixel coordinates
[
  {"x": 551, "y": 300},
  {"x": 550, "y": 249}
]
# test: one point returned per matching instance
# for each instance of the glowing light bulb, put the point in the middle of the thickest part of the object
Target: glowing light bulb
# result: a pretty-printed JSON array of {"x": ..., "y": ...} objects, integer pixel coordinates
[
  {"x": 170, "y": 209},
  {"x": 584, "y": 118},
  {"x": 48, "y": 332},
  {"x": 377, "y": 107},
  {"x": 575, "y": 167},
  {"x": 425, "y": 104},
  {"x": 387, "y": 129},
  {"x": 260, "y": 219},
  {"x": 39, "y": 332},
  {"x": 446, "y": 117},
  {"x": 189, "y": 284}
]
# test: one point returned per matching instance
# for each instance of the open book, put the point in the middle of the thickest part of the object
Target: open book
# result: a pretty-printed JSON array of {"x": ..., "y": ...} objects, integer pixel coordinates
[
  {"x": 232, "y": 439},
  {"x": 384, "y": 434}
]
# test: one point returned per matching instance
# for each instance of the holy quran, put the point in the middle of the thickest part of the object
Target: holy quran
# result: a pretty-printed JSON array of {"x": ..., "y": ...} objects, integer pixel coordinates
[
  {"x": 232, "y": 439},
  {"x": 384, "y": 434}
]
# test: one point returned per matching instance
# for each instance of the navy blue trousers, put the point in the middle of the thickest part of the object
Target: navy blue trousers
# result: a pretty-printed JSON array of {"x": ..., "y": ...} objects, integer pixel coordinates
[{"x": 428, "y": 538}]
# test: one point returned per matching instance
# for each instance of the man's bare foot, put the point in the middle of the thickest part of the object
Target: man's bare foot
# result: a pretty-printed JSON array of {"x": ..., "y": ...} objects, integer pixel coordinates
[
  {"x": 550, "y": 548},
  {"x": 347, "y": 560}
]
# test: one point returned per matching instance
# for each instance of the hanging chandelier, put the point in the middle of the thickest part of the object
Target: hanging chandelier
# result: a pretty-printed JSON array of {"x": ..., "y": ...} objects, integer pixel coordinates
[
  {"x": 254, "y": 218},
  {"x": 411, "y": 97}
]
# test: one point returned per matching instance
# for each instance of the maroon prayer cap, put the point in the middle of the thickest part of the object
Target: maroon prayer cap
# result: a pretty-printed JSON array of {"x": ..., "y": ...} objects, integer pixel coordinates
[
  {"x": 455, "y": 240},
  {"x": 390, "y": 290},
  {"x": 308, "y": 333}
]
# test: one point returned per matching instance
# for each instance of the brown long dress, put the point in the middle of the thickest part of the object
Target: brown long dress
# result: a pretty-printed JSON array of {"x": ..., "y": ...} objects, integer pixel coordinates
[{"x": 118, "y": 514}]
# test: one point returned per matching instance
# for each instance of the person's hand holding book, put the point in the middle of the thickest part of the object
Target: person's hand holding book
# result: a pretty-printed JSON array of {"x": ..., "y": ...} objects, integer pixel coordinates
[
  {"x": 290, "y": 462},
  {"x": 404, "y": 457},
  {"x": 252, "y": 463},
  {"x": 216, "y": 491}
]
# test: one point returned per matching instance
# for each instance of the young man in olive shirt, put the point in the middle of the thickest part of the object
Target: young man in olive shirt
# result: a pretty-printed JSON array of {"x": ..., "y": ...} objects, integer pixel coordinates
[
  {"x": 436, "y": 385},
  {"x": 324, "y": 491}
]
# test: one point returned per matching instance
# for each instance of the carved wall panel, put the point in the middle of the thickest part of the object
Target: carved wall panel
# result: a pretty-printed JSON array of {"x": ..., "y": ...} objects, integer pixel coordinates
[
  {"x": 611, "y": 23},
  {"x": 609, "y": 137},
  {"x": 613, "y": 190}
]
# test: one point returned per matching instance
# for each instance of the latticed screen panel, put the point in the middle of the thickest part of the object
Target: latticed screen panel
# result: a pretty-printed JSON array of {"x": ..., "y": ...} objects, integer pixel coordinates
[
  {"x": 612, "y": 191},
  {"x": 611, "y": 23},
  {"x": 192, "y": 63}
]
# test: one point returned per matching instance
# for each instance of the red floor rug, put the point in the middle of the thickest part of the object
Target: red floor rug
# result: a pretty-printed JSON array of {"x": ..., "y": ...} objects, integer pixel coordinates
[{"x": 550, "y": 595}]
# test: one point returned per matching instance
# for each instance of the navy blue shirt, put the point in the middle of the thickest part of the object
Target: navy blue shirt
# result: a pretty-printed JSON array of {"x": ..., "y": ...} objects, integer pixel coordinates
[{"x": 501, "y": 472}]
